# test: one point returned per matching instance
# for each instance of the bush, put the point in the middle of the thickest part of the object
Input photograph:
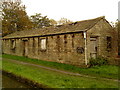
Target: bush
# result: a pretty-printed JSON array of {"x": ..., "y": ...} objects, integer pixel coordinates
[{"x": 98, "y": 61}]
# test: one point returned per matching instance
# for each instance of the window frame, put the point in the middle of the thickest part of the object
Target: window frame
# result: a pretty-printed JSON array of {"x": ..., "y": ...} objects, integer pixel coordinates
[
  {"x": 109, "y": 43},
  {"x": 43, "y": 44}
]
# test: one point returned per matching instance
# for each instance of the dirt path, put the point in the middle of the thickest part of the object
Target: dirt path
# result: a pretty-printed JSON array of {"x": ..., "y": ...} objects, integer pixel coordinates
[{"x": 56, "y": 70}]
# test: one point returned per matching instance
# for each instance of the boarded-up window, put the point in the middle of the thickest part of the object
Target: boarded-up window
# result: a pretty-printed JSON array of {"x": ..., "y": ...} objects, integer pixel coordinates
[
  {"x": 109, "y": 46},
  {"x": 43, "y": 44}
]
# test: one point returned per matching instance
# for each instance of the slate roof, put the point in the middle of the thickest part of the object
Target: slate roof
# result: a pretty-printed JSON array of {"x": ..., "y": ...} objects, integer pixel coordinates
[{"x": 67, "y": 28}]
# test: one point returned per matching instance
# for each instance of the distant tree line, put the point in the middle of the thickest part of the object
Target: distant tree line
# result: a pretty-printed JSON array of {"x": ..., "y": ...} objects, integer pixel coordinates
[{"x": 15, "y": 18}]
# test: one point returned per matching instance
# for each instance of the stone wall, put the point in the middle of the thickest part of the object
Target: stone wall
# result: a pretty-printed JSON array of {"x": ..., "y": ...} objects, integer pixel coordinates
[
  {"x": 59, "y": 48},
  {"x": 65, "y": 48},
  {"x": 103, "y": 30}
]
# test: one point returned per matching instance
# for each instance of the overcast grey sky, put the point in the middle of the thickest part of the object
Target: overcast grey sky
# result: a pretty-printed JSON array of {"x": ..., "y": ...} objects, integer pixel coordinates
[{"x": 74, "y": 10}]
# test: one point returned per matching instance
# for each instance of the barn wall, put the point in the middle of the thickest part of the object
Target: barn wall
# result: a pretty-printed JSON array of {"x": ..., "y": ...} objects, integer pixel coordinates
[
  {"x": 102, "y": 29},
  {"x": 65, "y": 48},
  {"x": 59, "y": 48}
]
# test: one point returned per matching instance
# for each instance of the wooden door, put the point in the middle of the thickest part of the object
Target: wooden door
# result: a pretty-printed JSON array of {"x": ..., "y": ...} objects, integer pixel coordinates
[{"x": 93, "y": 47}]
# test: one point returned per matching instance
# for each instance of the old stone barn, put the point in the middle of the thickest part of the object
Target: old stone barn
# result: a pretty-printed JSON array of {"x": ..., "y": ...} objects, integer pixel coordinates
[{"x": 73, "y": 43}]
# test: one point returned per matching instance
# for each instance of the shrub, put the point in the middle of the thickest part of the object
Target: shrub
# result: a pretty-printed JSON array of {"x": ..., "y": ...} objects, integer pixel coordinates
[{"x": 98, "y": 61}]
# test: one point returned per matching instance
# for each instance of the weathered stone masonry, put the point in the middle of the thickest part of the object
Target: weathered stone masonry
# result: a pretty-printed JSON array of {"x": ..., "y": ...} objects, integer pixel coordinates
[{"x": 65, "y": 44}]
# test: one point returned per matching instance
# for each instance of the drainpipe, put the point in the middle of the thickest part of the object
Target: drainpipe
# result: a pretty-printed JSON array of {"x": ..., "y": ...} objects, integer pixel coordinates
[{"x": 85, "y": 37}]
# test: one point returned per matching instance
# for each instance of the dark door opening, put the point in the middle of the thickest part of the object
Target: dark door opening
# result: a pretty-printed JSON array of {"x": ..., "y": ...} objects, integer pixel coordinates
[{"x": 25, "y": 48}]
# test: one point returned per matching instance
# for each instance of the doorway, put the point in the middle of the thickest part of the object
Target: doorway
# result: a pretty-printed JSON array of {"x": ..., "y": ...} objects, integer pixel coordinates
[
  {"x": 25, "y": 48},
  {"x": 93, "y": 47}
]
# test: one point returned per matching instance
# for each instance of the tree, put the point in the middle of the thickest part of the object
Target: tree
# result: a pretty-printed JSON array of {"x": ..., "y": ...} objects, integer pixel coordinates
[
  {"x": 40, "y": 21},
  {"x": 64, "y": 21},
  {"x": 117, "y": 26},
  {"x": 53, "y": 22},
  {"x": 14, "y": 17}
]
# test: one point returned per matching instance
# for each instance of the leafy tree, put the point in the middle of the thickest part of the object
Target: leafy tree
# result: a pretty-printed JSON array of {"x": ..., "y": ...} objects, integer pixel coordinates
[
  {"x": 117, "y": 26},
  {"x": 40, "y": 21},
  {"x": 53, "y": 22},
  {"x": 64, "y": 21},
  {"x": 14, "y": 17}
]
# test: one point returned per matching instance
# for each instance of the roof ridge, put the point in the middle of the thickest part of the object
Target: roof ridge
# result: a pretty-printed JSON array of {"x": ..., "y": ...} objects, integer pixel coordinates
[{"x": 101, "y": 17}]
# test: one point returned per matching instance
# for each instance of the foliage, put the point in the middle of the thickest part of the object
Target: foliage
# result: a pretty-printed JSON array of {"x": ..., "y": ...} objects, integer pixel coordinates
[
  {"x": 64, "y": 21},
  {"x": 98, "y": 61},
  {"x": 117, "y": 26},
  {"x": 55, "y": 79},
  {"x": 14, "y": 17},
  {"x": 53, "y": 22},
  {"x": 40, "y": 21},
  {"x": 107, "y": 71}
]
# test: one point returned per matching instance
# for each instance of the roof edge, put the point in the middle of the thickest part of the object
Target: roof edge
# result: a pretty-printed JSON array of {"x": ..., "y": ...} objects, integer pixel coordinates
[{"x": 102, "y": 17}]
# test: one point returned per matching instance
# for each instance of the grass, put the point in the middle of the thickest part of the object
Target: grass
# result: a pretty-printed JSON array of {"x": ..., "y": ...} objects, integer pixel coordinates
[
  {"x": 107, "y": 71},
  {"x": 55, "y": 79}
]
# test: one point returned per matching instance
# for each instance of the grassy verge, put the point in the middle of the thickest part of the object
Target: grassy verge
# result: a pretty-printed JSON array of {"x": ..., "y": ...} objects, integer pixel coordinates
[
  {"x": 107, "y": 71},
  {"x": 55, "y": 79}
]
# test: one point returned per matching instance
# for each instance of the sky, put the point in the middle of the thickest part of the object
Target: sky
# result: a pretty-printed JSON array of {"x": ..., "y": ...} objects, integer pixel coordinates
[{"x": 74, "y": 10}]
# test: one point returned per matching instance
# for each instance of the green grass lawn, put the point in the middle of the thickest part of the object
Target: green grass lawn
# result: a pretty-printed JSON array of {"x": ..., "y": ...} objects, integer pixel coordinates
[
  {"x": 107, "y": 71},
  {"x": 55, "y": 79}
]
